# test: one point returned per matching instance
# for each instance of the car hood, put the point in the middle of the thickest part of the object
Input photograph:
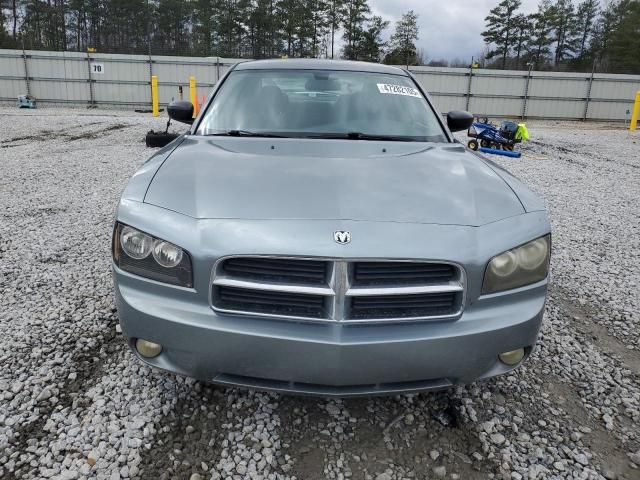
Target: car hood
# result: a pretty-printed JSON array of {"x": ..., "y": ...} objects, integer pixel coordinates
[{"x": 256, "y": 178}]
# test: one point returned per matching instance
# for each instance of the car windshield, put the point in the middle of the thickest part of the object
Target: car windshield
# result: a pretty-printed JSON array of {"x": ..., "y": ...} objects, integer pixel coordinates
[{"x": 321, "y": 104}]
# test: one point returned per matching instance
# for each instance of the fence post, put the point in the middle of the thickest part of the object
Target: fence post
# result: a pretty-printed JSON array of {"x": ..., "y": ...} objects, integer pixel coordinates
[
  {"x": 588, "y": 98},
  {"x": 90, "y": 80},
  {"x": 523, "y": 114},
  {"x": 469, "y": 87},
  {"x": 26, "y": 71},
  {"x": 151, "y": 75}
]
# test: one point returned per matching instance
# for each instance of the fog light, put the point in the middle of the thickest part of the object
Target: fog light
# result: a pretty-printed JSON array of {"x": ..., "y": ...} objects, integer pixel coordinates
[
  {"x": 513, "y": 357},
  {"x": 148, "y": 349}
]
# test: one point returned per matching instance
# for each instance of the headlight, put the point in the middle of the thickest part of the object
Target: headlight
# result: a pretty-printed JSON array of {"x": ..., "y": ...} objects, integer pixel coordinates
[
  {"x": 136, "y": 244},
  {"x": 520, "y": 266},
  {"x": 141, "y": 254},
  {"x": 167, "y": 254}
]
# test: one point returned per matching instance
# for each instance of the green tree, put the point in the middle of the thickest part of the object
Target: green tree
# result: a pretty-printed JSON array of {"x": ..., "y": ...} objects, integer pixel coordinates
[
  {"x": 172, "y": 25},
  {"x": 335, "y": 13},
  {"x": 522, "y": 28},
  {"x": 355, "y": 17},
  {"x": 3, "y": 32},
  {"x": 288, "y": 12},
  {"x": 203, "y": 23},
  {"x": 501, "y": 29},
  {"x": 623, "y": 42},
  {"x": 539, "y": 43},
  {"x": 371, "y": 48},
  {"x": 231, "y": 29},
  {"x": 403, "y": 41},
  {"x": 9, "y": 16},
  {"x": 563, "y": 21},
  {"x": 586, "y": 18},
  {"x": 311, "y": 27}
]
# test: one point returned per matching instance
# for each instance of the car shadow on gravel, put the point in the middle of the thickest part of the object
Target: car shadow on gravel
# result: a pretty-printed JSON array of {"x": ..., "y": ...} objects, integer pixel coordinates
[
  {"x": 189, "y": 434},
  {"x": 412, "y": 434}
]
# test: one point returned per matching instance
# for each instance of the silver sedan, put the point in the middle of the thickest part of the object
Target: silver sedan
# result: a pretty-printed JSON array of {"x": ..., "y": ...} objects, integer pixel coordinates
[{"x": 318, "y": 230}]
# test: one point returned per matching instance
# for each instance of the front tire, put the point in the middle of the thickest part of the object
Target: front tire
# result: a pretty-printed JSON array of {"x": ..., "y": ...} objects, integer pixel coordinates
[{"x": 473, "y": 145}]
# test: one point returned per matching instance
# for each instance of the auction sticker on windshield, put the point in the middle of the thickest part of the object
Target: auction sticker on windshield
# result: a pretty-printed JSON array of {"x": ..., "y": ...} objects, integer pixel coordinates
[{"x": 398, "y": 90}]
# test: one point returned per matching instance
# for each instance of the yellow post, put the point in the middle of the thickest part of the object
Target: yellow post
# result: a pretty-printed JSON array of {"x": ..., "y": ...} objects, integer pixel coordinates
[
  {"x": 636, "y": 113},
  {"x": 154, "y": 95},
  {"x": 192, "y": 95}
]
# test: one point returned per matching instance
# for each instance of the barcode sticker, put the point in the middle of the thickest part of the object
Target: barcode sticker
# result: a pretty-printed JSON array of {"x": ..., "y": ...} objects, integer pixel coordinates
[{"x": 398, "y": 90}]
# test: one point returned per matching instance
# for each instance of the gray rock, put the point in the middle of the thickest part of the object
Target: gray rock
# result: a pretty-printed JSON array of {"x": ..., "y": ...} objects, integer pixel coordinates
[
  {"x": 440, "y": 471},
  {"x": 581, "y": 458},
  {"x": 45, "y": 394}
]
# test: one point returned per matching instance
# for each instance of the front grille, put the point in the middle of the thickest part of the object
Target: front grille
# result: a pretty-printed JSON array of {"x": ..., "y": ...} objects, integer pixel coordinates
[
  {"x": 402, "y": 306},
  {"x": 270, "y": 302},
  {"x": 348, "y": 291},
  {"x": 409, "y": 273},
  {"x": 278, "y": 270}
]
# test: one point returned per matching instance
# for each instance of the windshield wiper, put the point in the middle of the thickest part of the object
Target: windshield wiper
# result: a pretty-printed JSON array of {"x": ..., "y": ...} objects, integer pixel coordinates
[
  {"x": 364, "y": 136},
  {"x": 245, "y": 133}
]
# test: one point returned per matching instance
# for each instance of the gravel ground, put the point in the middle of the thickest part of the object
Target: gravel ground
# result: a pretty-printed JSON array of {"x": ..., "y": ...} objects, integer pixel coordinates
[{"x": 75, "y": 403}]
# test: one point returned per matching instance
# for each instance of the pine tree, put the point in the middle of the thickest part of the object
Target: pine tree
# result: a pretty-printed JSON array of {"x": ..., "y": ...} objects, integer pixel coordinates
[
  {"x": 403, "y": 46},
  {"x": 372, "y": 46},
  {"x": 3, "y": 33},
  {"x": 623, "y": 39},
  {"x": 335, "y": 13},
  {"x": 539, "y": 44},
  {"x": 563, "y": 21},
  {"x": 355, "y": 17},
  {"x": 13, "y": 12},
  {"x": 501, "y": 28},
  {"x": 203, "y": 26},
  {"x": 586, "y": 18},
  {"x": 522, "y": 27}
]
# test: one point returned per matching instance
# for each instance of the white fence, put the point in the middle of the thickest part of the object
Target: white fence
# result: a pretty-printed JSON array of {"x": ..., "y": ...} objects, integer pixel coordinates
[{"x": 124, "y": 80}]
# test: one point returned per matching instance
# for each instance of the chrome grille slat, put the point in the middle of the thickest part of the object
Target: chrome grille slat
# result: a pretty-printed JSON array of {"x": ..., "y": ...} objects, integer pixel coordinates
[
  {"x": 275, "y": 287},
  {"x": 403, "y": 290},
  {"x": 332, "y": 290},
  {"x": 442, "y": 300}
]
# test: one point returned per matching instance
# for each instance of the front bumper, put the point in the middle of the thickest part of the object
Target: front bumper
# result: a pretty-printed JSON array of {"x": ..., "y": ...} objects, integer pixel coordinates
[{"x": 327, "y": 359}]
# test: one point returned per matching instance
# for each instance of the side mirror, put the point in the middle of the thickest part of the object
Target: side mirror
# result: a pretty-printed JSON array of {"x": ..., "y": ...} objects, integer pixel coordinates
[
  {"x": 458, "y": 120},
  {"x": 181, "y": 111}
]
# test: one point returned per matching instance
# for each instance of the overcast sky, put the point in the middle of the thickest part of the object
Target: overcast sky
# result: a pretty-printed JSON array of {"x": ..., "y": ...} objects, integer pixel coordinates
[{"x": 448, "y": 28}]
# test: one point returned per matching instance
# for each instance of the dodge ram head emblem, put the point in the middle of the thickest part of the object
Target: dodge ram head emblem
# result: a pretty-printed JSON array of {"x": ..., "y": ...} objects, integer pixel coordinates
[{"x": 342, "y": 237}]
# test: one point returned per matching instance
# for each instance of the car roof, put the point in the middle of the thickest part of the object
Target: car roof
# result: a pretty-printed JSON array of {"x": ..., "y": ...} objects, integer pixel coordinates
[{"x": 318, "y": 64}]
